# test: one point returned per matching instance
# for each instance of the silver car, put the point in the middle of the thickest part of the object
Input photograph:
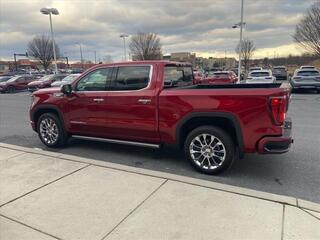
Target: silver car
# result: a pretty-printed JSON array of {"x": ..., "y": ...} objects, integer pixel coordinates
[{"x": 306, "y": 79}]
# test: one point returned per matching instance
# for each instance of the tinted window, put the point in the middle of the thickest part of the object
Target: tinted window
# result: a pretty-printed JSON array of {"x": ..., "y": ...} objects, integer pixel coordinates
[
  {"x": 260, "y": 74},
  {"x": 94, "y": 81},
  {"x": 131, "y": 78},
  {"x": 308, "y": 73},
  {"x": 175, "y": 76}
]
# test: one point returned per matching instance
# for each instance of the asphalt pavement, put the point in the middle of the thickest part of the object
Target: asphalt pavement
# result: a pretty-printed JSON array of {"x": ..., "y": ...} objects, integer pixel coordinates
[{"x": 293, "y": 174}]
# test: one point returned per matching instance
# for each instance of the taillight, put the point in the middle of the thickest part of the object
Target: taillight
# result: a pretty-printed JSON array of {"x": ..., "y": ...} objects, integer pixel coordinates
[{"x": 278, "y": 107}]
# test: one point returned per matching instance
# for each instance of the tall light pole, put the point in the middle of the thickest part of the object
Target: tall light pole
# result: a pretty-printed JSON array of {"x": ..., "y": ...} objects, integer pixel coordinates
[
  {"x": 124, "y": 36},
  {"x": 81, "y": 57},
  {"x": 50, "y": 11},
  {"x": 240, "y": 24}
]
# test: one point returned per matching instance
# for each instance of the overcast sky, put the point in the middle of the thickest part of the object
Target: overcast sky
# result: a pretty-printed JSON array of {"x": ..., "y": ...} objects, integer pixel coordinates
[{"x": 201, "y": 26}]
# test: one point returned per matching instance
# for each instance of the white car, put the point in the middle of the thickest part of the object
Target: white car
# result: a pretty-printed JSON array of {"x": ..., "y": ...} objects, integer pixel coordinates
[
  {"x": 67, "y": 80},
  {"x": 261, "y": 76},
  {"x": 306, "y": 78}
]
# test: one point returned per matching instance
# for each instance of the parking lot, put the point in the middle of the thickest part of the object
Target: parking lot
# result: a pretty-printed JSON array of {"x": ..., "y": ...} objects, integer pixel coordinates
[{"x": 294, "y": 174}]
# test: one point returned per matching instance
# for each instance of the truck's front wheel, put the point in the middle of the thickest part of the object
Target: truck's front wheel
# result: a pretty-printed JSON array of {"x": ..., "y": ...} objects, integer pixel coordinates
[
  {"x": 51, "y": 131},
  {"x": 209, "y": 149}
]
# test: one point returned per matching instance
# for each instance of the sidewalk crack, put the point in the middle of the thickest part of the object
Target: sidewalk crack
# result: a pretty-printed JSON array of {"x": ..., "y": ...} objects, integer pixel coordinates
[
  {"x": 133, "y": 210},
  {"x": 53, "y": 181},
  {"x": 28, "y": 226},
  {"x": 283, "y": 219}
]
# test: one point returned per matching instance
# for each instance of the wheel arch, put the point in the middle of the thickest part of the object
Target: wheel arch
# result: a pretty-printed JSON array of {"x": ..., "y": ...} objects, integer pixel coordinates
[
  {"x": 47, "y": 108},
  {"x": 226, "y": 121}
]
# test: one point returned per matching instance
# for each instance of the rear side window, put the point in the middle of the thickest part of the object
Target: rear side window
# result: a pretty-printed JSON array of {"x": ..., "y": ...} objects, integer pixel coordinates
[
  {"x": 131, "y": 78},
  {"x": 95, "y": 80},
  {"x": 175, "y": 76}
]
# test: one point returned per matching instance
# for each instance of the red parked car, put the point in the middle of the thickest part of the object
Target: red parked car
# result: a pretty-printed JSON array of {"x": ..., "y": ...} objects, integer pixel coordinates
[
  {"x": 16, "y": 83},
  {"x": 45, "y": 81},
  {"x": 220, "y": 77},
  {"x": 151, "y": 103}
]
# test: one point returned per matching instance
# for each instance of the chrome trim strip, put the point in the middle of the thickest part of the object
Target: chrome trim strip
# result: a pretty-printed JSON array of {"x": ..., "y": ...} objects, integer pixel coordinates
[{"x": 150, "y": 145}]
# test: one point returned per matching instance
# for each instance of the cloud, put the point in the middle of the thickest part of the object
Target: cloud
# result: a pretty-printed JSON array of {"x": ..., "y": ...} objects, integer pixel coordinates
[{"x": 202, "y": 26}]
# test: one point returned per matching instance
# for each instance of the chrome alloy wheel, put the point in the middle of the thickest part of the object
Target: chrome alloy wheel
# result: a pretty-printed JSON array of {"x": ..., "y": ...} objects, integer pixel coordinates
[
  {"x": 207, "y": 151},
  {"x": 49, "y": 131}
]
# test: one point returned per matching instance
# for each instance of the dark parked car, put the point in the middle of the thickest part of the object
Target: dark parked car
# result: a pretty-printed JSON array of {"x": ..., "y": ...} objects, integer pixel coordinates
[
  {"x": 280, "y": 72},
  {"x": 45, "y": 81},
  {"x": 16, "y": 83}
]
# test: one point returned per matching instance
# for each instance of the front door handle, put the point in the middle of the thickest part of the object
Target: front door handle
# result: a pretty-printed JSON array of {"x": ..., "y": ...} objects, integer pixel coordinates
[
  {"x": 98, "y": 99},
  {"x": 144, "y": 101}
]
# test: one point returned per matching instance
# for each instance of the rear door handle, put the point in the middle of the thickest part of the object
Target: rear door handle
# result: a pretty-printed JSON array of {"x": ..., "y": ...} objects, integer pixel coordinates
[
  {"x": 98, "y": 99},
  {"x": 144, "y": 100}
]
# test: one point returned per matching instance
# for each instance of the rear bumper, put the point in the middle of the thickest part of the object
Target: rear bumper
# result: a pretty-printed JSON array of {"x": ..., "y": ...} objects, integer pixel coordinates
[{"x": 278, "y": 144}]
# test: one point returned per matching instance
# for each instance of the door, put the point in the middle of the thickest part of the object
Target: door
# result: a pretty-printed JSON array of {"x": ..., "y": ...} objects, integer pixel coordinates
[
  {"x": 131, "y": 105},
  {"x": 86, "y": 109},
  {"x": 20, "y": 83}
]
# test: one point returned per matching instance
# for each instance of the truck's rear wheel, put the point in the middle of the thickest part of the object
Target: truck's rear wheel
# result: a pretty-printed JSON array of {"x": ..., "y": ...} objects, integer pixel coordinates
[
  {"x": 209, "y": 149},
  {"x": 51, "y": 131}
]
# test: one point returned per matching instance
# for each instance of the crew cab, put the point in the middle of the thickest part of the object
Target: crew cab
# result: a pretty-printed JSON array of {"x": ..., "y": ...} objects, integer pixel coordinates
[{"x": 155, "y": 103}]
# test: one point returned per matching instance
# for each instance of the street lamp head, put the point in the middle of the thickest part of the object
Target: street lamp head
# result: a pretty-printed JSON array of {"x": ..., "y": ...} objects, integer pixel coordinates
[
  {"x": 124, "y": 35},
  {"x": 47, "y": 11},
  {"x": 44, "y": 11},
  {"x": 235, "y": 26}
]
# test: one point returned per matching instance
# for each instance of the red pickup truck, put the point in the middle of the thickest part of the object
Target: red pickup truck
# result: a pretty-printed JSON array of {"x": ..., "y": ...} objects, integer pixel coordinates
[{"x": 152, "y": 103}]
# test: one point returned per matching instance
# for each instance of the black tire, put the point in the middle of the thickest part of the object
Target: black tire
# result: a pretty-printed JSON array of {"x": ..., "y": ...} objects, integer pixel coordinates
[
  {"x": 62, "y": 136},
  {"x": 11, "y": 89},
  {"x": 227, "y": 146}
]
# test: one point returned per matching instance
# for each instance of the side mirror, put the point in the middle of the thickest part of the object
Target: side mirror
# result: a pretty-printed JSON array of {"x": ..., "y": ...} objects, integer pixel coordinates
[{"x": 66, "y": 89}]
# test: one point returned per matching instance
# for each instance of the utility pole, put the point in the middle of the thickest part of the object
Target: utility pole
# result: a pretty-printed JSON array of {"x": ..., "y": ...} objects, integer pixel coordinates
[
  {"x": 240, "y": 50},
  {"x": 81, "y": 58},
  {"x": 124, "y": 36},
  {"x": 95, "y": 57}
]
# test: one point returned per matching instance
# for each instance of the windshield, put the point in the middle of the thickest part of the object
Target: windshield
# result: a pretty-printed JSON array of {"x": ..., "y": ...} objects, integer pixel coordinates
[
  {"x": 308, "y": 73},
  {"x": 4, "y": 79},
  {"x": 70, "y": 78},
  {"x": 13, "y": 79},
  {"x": 45, "y": 78},
  {"x": 259, "y": 74}
]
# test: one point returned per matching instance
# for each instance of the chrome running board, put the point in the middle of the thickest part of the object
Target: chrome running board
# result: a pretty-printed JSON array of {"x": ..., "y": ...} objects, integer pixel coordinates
[{"x": 141, "y": 144}]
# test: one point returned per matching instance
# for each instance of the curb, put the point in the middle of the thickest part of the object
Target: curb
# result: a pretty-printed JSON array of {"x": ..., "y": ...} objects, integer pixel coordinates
[{"x": 300, "y": 203}]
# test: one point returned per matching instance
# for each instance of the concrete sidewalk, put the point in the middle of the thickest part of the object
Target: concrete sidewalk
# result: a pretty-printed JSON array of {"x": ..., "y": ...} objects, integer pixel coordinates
[{"x": 46, "y": 195}]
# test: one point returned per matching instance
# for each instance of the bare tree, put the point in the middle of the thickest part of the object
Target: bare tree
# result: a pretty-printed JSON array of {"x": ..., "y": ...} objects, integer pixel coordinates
[
  {"x": 307, "y": 32},
  {"x": 145, "y": 46},
  {"x": 40, "y": 47},
  {"x": 247, "y": 50}
]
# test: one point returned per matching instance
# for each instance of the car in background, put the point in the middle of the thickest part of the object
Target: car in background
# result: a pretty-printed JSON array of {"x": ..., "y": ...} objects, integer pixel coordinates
[
  {"x": 67, "y": 80},
  {"x": 236, "y": 70},
  {"x": 261, "y": 76},
  {"x": 221, "y": 77},
  {"x": 197, "y": 76},
  {"x": 45, "y": 81},
  {"x": 307, "y": 67},
  {"x": 280, "y": 72},
  {"x": 16, "y": 83},
  {"x": 306, "y": 79},
  {"x": 254, "y": 69}
]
